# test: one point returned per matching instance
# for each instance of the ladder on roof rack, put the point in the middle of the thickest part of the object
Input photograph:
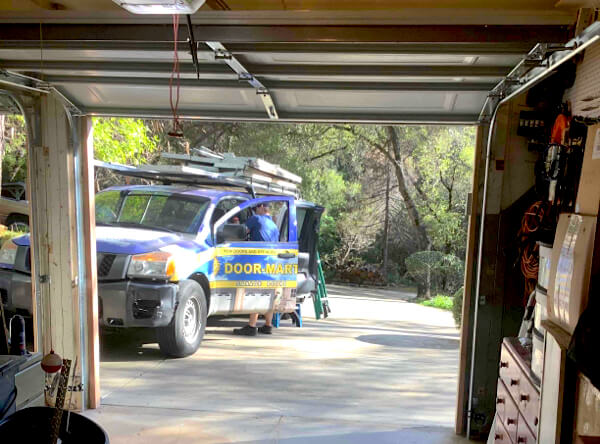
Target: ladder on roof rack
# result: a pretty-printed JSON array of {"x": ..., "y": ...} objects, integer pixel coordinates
[{"x": 216, "y": 170}]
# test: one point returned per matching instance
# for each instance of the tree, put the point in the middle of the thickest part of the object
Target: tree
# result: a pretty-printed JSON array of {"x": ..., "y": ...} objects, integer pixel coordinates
[
  {"x": 2, "y": 136},
  {"x": 433, "y": 269},
  {"x": 343, "y": 167},
  {"x": 441, "y": 171},
  {"x": 14, "y": 149},
  {"x": 125, "y": 141}
]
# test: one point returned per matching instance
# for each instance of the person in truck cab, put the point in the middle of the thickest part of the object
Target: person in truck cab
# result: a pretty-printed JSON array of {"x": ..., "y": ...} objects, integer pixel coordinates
[{"x": 261, "y": 228}]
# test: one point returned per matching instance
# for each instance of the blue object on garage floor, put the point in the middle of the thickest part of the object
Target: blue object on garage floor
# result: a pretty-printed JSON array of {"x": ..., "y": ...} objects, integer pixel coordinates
[{"x": 295, "y": 315}]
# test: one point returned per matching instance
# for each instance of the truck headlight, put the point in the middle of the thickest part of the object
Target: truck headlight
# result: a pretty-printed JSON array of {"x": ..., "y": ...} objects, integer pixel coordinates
[
  {"x": 8, "y": 254},
  {"x": 154, "y": 265}
]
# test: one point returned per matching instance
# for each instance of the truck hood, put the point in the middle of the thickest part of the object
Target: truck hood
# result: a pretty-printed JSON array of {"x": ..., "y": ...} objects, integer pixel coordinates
[{"x": 120, "y": 240}]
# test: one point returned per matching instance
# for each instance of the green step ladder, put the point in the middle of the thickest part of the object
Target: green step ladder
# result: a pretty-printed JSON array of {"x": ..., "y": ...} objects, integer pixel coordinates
[{"x": 320, "y": 299}]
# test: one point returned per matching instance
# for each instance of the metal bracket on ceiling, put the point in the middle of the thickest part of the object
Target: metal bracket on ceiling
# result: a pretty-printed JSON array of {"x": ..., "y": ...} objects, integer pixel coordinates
[
  {"x": 537, "y": 59},
  {"x": 540, "y": 62},
  {"x": 193, "y": 46},
  {"x": 31, "y": 84},
  {"x": 22, "y": 82},
  {"x": 73, "y": 109},
  {"x": 221, "y": 53}
]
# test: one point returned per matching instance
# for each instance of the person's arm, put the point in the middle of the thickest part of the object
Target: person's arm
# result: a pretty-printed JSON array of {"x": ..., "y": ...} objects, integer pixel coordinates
[{"x": 251, "y": 223}]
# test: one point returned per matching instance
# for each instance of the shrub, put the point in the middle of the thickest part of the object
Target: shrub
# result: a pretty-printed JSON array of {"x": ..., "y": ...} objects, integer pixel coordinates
[
  {"x": 457, "y": 306},
  {"x": 434, "y": 270},
  {"x": 440, "y": 301}
]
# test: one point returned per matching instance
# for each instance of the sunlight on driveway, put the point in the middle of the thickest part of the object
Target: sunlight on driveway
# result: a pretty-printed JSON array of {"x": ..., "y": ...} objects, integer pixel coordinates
[{"x": 380, "y": 369}]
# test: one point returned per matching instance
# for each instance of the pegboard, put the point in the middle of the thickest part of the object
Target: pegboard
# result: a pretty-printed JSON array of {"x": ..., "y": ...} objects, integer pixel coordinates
[{"x": 584, "y": 96}]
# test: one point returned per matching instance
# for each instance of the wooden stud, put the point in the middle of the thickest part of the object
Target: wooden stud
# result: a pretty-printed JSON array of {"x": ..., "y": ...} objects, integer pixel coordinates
[
  {"x": 91, "y": 278},
  {"x": 470, "y": 273},
  {"x": 54, "y": 235}
]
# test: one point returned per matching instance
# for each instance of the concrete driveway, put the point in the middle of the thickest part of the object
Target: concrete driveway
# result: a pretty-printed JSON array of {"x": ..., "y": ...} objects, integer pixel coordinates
[{"x": 379, "y": 370}]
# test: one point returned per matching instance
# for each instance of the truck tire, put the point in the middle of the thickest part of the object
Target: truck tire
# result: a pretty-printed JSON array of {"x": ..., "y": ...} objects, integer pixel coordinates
[{"x": 183, "y": 335}]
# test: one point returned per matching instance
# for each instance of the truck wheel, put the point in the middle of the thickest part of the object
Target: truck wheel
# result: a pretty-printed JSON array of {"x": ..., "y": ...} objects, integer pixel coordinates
[{"x": 183, "y": 335}]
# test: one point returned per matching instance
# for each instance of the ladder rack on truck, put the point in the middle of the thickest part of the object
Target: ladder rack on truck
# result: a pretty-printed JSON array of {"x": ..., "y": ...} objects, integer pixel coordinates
[{"x": 216, "y": 170}]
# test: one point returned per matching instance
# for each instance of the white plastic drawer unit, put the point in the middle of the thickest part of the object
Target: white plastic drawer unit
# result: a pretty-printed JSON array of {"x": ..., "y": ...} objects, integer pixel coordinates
[{"x": 29, "y": 381}]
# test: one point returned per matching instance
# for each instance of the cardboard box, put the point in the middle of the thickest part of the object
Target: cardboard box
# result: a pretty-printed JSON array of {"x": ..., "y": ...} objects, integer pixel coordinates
[
  {"x": 587, "y": 412},
  {"x": 588, "y": 193},
  {"x": 285, "y": 300},
  {"x": 571, "y": 269}
]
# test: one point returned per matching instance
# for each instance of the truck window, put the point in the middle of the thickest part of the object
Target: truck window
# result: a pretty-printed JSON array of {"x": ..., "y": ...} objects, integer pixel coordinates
[
  {"x": 223, "y": 207},
  {"x": 278, "y": 211},
  {"x": 169, "y": 212},
  {"x": 243, "y": 226},
  {"x": 107, "y": 206},
  {"x": 134, "y": 208}
]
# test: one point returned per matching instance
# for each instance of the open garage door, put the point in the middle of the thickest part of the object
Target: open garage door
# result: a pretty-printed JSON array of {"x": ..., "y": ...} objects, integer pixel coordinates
[
  {"x": 295, "y": 71},
  {"x": 286, "y": 68}
]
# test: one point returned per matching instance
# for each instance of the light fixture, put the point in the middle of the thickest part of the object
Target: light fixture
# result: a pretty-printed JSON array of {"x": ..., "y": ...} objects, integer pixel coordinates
[{"x": 160, "y": 6}]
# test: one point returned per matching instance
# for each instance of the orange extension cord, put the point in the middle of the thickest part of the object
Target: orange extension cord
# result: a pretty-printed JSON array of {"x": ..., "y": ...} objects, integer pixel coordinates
[{"x": 531, "y": 222}]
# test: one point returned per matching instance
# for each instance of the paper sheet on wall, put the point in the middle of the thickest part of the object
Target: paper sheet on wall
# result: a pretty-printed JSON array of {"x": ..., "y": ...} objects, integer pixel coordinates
[{"x": 564, "y": 269}]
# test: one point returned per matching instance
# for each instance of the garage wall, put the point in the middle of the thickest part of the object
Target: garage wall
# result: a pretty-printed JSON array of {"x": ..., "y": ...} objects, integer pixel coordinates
[{"x": 499, "y": 301}]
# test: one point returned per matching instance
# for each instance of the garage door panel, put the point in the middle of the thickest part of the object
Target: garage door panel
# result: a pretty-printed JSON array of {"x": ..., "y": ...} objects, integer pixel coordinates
[
  {"x": 92, "y": 74},
  {"x": 110, "y": 96},
  {"x": 84, "y": 55},
  {"x": 469, "y": 101},
  {"x": 380, "y": 59},
  {"x": 366, "y": 100},
  {"x": 379, "y": 78},
  {"x": 391, "y": 81}
]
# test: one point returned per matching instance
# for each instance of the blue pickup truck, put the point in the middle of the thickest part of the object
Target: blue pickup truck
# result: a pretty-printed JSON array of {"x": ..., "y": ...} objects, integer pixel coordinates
[{"x": 169, "y": 256}]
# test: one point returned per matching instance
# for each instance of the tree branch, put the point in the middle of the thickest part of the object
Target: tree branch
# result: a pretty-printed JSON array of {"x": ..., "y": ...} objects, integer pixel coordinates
[{"x": 327, "y": 153}]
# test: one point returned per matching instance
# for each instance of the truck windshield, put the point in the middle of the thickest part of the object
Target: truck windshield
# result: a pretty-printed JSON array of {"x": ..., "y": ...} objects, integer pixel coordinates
[{"x": 153, "y": 211}]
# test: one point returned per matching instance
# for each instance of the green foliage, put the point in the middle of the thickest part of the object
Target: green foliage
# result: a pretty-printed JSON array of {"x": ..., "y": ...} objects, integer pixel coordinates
[
  {"x": 440, "y": 301},
  {"x": 14, "y": 160},
  {"x": 126, "y": 141},
  {"x": 343, "y": 167},
  {"x": 458, "y": 305},
  {"x": 423, "y": 263},
  {"x": 435, "y": 270},
  {"x": 443, "y": 165}
]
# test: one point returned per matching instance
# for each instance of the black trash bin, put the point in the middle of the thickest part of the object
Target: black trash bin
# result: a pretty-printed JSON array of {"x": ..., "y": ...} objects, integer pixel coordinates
[{"x": 32, "y": 425}]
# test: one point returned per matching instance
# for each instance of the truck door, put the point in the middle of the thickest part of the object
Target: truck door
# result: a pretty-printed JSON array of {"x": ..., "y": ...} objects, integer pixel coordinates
[
  {"x": 255, "y": 276},
  {"x": 308, "y": 218}
]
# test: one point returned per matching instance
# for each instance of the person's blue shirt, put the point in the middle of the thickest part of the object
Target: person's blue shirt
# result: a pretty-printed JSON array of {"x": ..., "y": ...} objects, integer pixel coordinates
[{"x": 262, "y": 229}]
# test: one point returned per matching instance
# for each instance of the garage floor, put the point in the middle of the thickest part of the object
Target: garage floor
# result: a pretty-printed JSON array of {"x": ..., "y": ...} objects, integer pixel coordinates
[{"x": 379, "y": 370}]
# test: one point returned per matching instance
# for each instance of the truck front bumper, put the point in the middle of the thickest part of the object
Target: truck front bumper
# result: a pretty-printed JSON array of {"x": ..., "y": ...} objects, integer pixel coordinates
[
  {"x": 16, "y": 291},
  {"x": 136, "y": 304},
  {"x": 120, "y": 303}
]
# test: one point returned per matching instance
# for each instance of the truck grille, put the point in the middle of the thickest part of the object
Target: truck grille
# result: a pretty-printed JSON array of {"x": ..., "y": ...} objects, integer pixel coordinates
[{"x": 105, "y": 264}]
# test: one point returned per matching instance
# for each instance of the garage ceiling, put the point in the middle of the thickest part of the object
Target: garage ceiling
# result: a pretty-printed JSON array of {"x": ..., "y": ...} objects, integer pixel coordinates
[{"x": 390, "y": 65}]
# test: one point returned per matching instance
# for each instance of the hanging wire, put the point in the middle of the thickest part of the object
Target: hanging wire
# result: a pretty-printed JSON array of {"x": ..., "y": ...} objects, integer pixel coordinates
[
  {"x": 46, "y": 300},
  {"x": 175, "y": 76}
]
